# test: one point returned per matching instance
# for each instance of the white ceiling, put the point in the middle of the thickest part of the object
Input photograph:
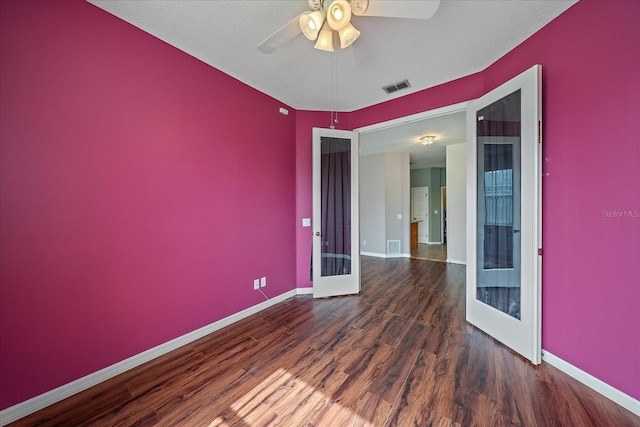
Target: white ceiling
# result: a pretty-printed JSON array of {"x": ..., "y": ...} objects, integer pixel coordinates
[
  {"x": 448, "y": 129},
  {"x": 462, "y": 38}
]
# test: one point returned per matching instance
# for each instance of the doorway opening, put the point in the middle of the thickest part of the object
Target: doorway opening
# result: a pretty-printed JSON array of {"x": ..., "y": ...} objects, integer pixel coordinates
[{"x": 440, "y": 167}]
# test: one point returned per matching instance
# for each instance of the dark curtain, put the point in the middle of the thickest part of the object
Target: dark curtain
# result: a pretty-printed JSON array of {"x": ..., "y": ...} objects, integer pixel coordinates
[{"x": 336, "y": 206}]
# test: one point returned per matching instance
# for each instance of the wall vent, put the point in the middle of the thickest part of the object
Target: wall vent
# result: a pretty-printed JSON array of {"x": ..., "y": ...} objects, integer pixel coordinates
[
  {"x": 396, "y": 86},
  {"x": 393, "y": 246}
]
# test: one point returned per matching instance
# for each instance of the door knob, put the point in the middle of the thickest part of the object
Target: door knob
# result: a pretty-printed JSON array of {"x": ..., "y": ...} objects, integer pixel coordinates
[
  {"x": 317, "y": 233},
  {"x": 516, "y": 230}
]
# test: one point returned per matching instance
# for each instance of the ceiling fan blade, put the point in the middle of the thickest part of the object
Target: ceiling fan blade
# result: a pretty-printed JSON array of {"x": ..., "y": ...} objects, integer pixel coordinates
[
  {"x": 284, "y": 35},
  {"x": 411, "y": 9}
]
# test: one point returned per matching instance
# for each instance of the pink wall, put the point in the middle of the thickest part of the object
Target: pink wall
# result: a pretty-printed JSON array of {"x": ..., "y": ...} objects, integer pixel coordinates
[
  {"x": 139, "y": 194},
  {"x": 591, "y": 292}
]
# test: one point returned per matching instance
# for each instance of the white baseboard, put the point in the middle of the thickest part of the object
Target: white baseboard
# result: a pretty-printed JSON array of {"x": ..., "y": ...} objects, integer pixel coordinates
[
  {"x": 589, "y": 380},
  {"x": 304, "y": 291},
  {"x": 397, "y": 256},
  {"x": 455, "y": 261},
  {"x": 36, "y": 403},
  {"x": 373, "y": 254},
  {"x": 379, "y": 255}
]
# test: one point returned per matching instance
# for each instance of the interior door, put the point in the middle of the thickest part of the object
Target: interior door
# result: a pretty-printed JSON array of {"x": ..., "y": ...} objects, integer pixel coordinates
[
  {"x": 420, "y": 212},
  {"x": 336, "y": 249},
  {"x": 504, "y": 228}
]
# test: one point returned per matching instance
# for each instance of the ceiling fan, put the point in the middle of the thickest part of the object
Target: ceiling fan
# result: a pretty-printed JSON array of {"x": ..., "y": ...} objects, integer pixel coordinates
[{"x": 330, "y": 20}]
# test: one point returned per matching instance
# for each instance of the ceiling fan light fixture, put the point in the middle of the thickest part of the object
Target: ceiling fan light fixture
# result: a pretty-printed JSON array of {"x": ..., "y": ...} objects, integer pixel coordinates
[
  {"x": 348, "y": 35},
  {"x": 339, "y": 14},
  {"x": 325, "y": 40},
  {"x": 335, "y": 16},
  {"x": 311, "y": 22}
]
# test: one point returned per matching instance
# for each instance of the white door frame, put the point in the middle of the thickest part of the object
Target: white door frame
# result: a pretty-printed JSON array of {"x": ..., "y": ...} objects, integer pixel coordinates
[{"x": 417, "y": 117}]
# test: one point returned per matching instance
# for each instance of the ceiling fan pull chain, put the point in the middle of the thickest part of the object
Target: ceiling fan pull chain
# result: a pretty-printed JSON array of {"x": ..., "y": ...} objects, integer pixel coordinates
[{"x": 334, "y": 90}]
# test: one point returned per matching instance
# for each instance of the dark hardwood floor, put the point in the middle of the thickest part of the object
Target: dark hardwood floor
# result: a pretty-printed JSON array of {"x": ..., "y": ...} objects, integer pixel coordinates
[
  {"x": 398, "y": 354},
  {"x": 430, "y": 252}
]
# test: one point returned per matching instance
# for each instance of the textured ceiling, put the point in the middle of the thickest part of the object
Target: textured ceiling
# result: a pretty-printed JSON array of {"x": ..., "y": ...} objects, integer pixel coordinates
[{"x": 463, "y": 37}]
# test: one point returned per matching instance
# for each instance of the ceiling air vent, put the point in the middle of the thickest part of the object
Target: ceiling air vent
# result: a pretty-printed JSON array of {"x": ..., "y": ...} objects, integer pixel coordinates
[{"x": 397, "y": 86}]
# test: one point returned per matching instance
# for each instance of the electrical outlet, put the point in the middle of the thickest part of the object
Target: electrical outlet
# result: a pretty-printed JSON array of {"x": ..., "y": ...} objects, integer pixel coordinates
[
  {"x": 256, "y": 284},
  {"x": 263, "y": 282}
]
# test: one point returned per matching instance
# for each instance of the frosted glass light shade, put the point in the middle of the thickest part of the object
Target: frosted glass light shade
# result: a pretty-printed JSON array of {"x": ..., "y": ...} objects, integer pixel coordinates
[
  {"x": 348, "y": 35},
  {"x": 311, "y": 22},
  {"x": 339, "y": 14},
  {"x": 427, "y": 139},
  {"x": 325, "y": 40}
]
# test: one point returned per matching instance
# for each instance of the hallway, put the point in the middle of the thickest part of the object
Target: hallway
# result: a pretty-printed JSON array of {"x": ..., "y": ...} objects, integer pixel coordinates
[{"x": 430, "y": 252}]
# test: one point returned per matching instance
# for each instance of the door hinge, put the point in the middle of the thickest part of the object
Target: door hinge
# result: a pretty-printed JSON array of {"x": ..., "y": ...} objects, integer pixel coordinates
[
  {"x": 539, "y": 251},
  {"x": 539, "y": 132}
]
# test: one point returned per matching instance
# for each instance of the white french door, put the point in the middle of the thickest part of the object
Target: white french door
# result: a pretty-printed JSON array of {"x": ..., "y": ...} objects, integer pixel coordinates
[
  {"x": 336, "y": 249},
  {"x": 504, "y": 210}
]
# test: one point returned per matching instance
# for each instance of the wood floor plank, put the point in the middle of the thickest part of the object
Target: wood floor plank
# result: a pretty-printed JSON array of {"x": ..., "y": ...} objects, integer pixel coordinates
[
  {"x": 398, "y": 354},
  {"x": 102, "y": 399},
  {"x": 400, "y": 364},
  {"x": 365, "y": 370}
]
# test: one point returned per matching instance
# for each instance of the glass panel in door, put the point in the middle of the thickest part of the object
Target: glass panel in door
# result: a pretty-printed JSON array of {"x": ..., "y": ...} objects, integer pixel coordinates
[
  {"x": 498, "y": 207},
  {"x": 335, "y": 165}
]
